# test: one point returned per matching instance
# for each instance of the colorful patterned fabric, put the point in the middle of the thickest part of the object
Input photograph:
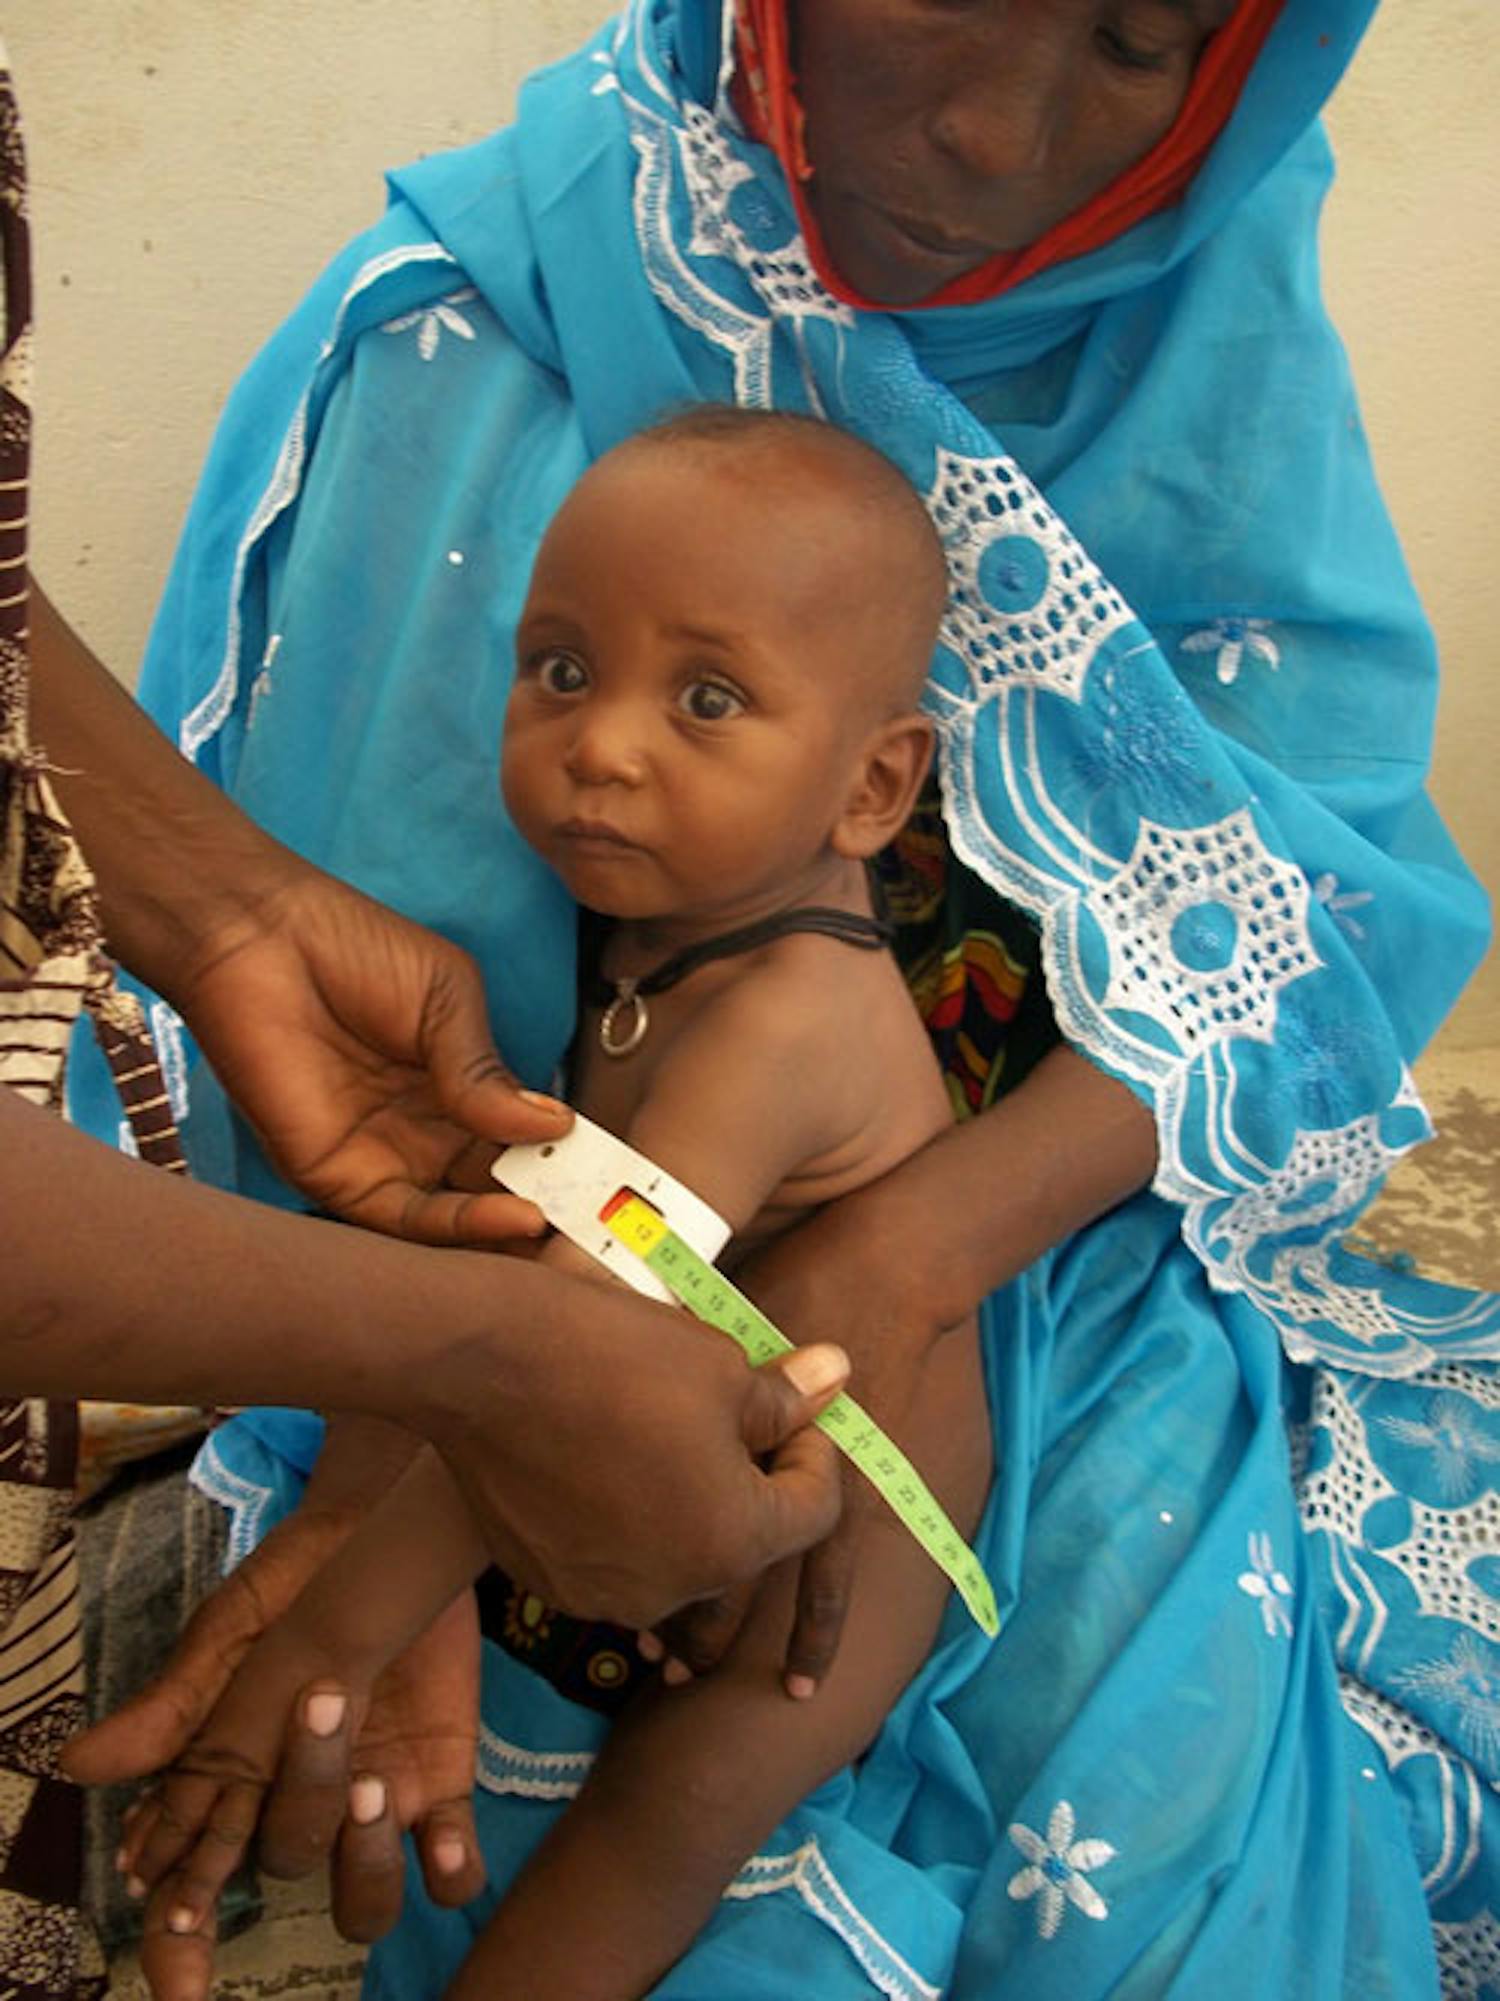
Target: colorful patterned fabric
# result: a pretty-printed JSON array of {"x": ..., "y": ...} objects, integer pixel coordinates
[
  {"x": 52, "y": 966},
  {"x": 48, "y": 959},
  {"x": 1236, "y": 1737}
]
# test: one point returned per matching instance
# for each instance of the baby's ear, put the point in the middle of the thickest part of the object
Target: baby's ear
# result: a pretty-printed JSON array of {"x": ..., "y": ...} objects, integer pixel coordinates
[{"x": 884, "y": 789}]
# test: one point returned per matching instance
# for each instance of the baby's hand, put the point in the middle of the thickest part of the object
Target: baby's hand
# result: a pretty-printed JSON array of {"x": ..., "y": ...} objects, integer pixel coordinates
[{"x": 187, "y": 1838}]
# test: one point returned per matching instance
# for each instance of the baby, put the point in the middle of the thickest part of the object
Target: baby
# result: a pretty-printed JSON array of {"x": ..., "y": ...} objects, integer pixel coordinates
[{"x": 712, "y": 729}]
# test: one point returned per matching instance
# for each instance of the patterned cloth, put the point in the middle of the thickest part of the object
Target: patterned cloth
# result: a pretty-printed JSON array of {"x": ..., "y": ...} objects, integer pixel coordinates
[
  {"x": 1238, "y": 1734},
  {"x": 52, "y": 966}
]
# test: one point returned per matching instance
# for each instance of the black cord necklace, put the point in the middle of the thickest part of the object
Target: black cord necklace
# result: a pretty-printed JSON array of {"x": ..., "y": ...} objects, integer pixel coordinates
[{"x": 624, "y": 1001}]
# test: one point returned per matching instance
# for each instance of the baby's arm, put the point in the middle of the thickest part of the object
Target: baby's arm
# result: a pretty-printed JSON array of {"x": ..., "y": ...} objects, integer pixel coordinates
[
  {"x": 410, "y": 1557},
  {"x": 692, "y": 1779}
]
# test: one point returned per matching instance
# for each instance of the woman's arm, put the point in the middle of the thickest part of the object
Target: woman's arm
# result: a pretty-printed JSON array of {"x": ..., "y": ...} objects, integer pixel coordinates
[{"x": 125, "y": 1282}]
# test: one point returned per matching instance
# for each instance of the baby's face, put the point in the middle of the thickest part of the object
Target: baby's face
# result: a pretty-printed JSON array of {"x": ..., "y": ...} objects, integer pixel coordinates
[{"x": 687, "y": 707}]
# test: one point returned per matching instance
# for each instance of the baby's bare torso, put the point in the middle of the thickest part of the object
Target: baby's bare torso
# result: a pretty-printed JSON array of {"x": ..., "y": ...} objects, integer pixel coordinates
[{"x": 854, "y": 1045}]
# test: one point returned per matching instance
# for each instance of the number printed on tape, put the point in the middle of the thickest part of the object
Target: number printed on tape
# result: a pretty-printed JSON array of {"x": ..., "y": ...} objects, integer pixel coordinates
[{"x": 707, "y": 1293}]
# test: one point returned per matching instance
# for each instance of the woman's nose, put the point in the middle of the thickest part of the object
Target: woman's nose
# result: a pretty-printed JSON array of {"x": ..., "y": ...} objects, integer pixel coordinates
[
  {"x": 605, "y": 748},
  {"x": 999, "y": 121}
]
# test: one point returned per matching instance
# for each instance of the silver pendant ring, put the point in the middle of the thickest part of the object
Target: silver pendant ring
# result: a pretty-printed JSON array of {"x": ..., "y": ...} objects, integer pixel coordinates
[{"x": 635, "y": 1035}]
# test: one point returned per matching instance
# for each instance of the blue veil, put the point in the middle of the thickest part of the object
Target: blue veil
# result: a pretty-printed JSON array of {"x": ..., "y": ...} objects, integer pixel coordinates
[{"x": 1184, "y": 694}]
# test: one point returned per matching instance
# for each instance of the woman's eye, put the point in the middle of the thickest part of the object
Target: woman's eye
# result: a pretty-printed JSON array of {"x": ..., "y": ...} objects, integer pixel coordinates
[
  {"x": 710, "y": 701},
  {"x": 560, "y": 673},
  {"x": 1131, "y": 55}
]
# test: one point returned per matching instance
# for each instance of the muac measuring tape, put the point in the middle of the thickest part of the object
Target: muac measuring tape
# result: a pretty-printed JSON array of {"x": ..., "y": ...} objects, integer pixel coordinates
[{"x": 565, "y": 1178}]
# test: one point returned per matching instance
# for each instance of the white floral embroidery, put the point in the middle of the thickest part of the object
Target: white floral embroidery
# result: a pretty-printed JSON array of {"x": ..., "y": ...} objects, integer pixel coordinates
[
  {"x": 433, "y": 321},
  {"x": 1267, "y": 1586},
  {"x": 1233, "y": 641},
  {"x": 1339, "y": 902},
  {"x": 1205, "y": 926},
  {"x": 1469, "y": 1678},
  {"x": 1055, "y": 1870},
  {"x": 608, "y": 79},
  {"x": 1028, "y": 606},
  {"x": 1454, "y": 1435}
]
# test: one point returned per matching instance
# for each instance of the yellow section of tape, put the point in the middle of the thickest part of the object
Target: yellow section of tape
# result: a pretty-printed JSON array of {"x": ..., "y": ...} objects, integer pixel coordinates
[{"x": 705, "y": 1291}]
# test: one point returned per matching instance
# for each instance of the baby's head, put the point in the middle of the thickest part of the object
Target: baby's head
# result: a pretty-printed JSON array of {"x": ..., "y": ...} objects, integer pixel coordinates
[{"x": 729, "y": 625}]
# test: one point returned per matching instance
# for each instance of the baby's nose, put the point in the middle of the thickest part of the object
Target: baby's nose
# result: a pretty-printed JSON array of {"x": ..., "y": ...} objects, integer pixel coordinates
[{"x": 606, "y": 749}]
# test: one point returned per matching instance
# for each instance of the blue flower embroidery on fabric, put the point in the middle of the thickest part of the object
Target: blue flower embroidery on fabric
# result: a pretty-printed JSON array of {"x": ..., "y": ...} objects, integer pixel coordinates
[
  {"x": 432, "y": 322},
  {"x": 1055, "y": 1871},
  {"x": 1233, "y": 641},
  {"x": 1267, "y": 1586}
]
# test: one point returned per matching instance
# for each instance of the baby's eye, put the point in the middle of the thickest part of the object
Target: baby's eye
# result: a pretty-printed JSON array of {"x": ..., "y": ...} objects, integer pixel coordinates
[
  {"x": 711, "y": 701},
  {"x": 559, "y": 673}
]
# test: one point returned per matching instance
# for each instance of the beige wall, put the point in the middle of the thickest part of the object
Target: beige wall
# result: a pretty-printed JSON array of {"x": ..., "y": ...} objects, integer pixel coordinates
[{"x": 194, "y": 161}]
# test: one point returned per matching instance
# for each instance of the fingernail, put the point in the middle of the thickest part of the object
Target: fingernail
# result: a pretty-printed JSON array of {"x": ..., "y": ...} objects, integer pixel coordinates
[
  {"x": 814, "y": 1370},
  {"x": 366, "y": 1801},
  {"x": 676, "y": 1672},
  {"x": 122, "y": 1861},
  {"x": 181, "y": 1919},
  {"x": 135, "y": 1887},
  {"x": 450, "y": 1853},
  {"x": 324, "y": 1714},
  {"x": 649, "y": 1647},
  {"x": 801, "y": 1687},
  {"x": 542, "y": 1101}
]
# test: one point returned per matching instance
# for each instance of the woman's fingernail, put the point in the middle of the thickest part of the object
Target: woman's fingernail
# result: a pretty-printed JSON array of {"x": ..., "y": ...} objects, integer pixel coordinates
[
  {"x": 450, "y": 1853},
  {"x": 814, "y": 1370},
  {"x": 324, "y": 1714},
  {"x": 134, "y": 1887},
  {"x": 676, "y": 1672},
  {"x": 122, "y": 1861},
  {"x": 182, "y": 1920},
  {"x": 649, "y": 1647},
  {"x": 542, "y": 1101},
  {"x": 366, "y": 1801},
  {"x": 801, "y": 1687}
]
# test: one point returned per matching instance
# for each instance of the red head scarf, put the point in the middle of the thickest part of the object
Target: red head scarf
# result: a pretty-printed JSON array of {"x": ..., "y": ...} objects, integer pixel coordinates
[{"x": 766, "y": 92}]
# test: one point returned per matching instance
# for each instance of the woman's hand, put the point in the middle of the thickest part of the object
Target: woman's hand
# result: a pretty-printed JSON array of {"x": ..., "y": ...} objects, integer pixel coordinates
[
  {"x": 355, "y": 1042},
  {"x": 418, "y": 1734},
  {"x": 887, "y": 1271},
  {"x": 847, "y": 1275},
  {"x": 358, "y": 1047}
]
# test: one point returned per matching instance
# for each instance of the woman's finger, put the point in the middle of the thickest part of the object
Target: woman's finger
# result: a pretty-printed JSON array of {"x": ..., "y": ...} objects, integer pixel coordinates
[
  {"x": 178, "y": 1965},
  {"x": 183, "y": 1808},
  {"x": 824, "y": 1585},
  {"x": 448, "y": 1847},
  {"x": 191, "y": 1890},
  {"x": 700, "y": 1635},
  {"x": 369, "y": 1864},
  {"x": 300, "y": 1821},
  {"x": 135, "y": 1831}
]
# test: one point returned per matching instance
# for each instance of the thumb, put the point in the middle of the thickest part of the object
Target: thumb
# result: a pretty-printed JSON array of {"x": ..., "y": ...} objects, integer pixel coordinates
[
  {"x": 143, "y": 1735},
  {"x": 788, "y": 1393},
  {"x": 473, "y": 1085}
]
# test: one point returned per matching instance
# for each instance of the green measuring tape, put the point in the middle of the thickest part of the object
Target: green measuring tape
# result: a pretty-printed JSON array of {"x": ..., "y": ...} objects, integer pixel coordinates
[{"x": 705, "y": 1291}]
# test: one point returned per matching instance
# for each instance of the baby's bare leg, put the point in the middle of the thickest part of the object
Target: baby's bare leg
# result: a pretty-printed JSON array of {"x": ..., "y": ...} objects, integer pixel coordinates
[{"x": 693, "y": 1779}]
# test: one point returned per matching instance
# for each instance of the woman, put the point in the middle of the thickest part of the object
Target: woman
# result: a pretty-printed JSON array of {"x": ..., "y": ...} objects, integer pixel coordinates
[{"x": 1058, "y": 261}]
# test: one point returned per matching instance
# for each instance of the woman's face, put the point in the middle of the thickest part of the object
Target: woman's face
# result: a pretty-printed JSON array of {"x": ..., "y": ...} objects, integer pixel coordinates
[{"x": 942, "y": 132}]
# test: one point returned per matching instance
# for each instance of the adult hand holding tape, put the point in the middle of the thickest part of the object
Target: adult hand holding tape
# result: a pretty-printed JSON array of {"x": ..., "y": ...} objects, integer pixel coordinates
[{"x": 607, "y": 1199}]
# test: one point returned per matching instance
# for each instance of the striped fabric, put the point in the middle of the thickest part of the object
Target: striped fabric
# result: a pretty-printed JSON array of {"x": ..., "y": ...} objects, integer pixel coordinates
[{"x": 52, "y": 966}]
